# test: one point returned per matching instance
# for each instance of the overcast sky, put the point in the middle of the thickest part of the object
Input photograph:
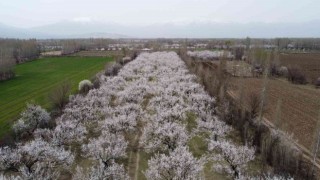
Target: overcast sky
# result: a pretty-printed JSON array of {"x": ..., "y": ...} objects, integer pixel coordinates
[{"x": 30, "y": 13}]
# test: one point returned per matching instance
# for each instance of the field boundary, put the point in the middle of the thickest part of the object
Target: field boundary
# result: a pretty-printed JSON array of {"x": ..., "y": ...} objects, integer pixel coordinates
[
  {"x": 11, "y": 108},
  {"x": 271, "y": 125},
  {"x": 307, "y": 155}
]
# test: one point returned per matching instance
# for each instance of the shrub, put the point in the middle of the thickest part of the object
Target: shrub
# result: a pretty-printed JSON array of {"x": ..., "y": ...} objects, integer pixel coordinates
[
  {"x": 5, "y": 75},
  {"x": 124, "y": 60},
  {"x": 317, "y": 83},
  {"x": 59, "y": 97},
  {"x": 85, "y": 86},
  {"x": 239, "y": 52},
  {"x": 108, "y": 69},
  {"x": 112, "y": 70},
  {"x": 257, "y": 70},
  {"x": 7, "y": 140},
  {"x": 283, "y": 71},
  {"x": 254, "y": 103},
  {"x": 95, "y": 81},
  {"x": 274, "y": 70},
  {"x": 134, "y": 55},
  {"x": 296, "y": 76}
]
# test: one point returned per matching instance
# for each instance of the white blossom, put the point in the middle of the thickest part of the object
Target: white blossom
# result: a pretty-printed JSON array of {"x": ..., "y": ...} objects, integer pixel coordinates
[
  {"x": 153, "y": 93},
  {"x": 31, "y": 119},
  {"x": 65, "y": 133},
  {"x": 231, "y": 158},
  {"x": 265, "y": 177},
  {"x": 216, "y": 128},
  {"x": 106, "y": 147},
  {"x": 178, "y": 165},
  {"x": 114, "y": 171},
  {"x": 40, "y": 171},
  {"x": 208, "y": 55},
  {"x": 163, "y": 137},
  {"x": 85, "y": 84},
  {"x": 35, "y": 159},
  {"x": 41, "y": 151},
  {"x": 9, "y": 159}
]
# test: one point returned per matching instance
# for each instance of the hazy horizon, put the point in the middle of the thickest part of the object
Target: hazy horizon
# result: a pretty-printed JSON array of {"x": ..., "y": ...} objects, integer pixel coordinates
[
  {"x": 154, "y": 19},
  {"x": 33, "y": 13}
]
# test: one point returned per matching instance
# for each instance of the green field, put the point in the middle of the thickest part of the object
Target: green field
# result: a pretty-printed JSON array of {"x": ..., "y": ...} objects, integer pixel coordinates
[{"x": 35, "y": 80}]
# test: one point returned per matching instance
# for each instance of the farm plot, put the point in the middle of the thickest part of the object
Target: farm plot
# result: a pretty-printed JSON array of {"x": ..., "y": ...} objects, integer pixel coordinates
[
  {"x": 151, "y": 121},
  {"x": 308, "y": 62},
  {"x": 51, "y": 53},
  {"x": 239, "y": 69},
  {"x": 95, "y": 53},
  {"x": 35, "y": 80},
  {"x": 299, "y": 105}
]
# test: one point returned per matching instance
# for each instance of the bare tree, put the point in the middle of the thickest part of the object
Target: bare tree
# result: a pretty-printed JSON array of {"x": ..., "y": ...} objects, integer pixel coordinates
[
  {"x": 59, "y": 97},
  {"x": 315, "y": 144}
]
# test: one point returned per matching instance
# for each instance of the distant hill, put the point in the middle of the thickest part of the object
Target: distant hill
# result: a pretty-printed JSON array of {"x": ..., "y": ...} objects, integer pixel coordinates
[
  {"x": 71, "y": 29},
  {"x": 43, "y": 33},
  {"x": 190, "y": 30},
  {"x": 97, "y": 35},
  {"x": 13, "y": 32}
]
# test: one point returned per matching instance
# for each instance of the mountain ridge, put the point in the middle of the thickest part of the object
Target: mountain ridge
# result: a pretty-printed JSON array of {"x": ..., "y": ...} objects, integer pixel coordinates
[{"x": 71, "y": 29}]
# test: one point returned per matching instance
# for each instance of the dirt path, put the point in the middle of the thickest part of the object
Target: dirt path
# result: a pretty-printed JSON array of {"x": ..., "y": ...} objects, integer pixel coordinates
[
  {"x": 134, "y": 157},
  {"x": 137, "y": 165}
]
